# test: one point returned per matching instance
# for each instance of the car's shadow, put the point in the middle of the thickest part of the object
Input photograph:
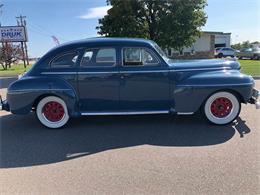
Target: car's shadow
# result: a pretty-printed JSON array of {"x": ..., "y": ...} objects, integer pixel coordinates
[{"x": 24, "y": 142}]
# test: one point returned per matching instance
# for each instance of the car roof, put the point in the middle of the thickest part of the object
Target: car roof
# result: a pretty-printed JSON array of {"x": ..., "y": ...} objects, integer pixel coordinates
[{"x": 99, "y": 41}]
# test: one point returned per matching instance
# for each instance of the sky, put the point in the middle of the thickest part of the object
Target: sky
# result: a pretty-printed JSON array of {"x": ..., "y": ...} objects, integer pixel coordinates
[{"x": 76, "y": 19}]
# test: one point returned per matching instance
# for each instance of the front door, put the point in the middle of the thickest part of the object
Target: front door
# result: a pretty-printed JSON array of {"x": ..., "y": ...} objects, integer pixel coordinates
[
  {"x": 144, "y": 80},
  {"x": 98, "y": 81}
]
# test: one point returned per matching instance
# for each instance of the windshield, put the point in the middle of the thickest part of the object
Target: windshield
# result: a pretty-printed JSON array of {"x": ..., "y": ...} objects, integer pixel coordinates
[{"x": 160, "y": 51}]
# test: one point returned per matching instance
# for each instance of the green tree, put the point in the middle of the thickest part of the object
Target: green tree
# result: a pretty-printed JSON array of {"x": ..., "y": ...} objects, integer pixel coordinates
[
  {"x": 243, "y": 45},
  {"x": 170, "y": 23}
]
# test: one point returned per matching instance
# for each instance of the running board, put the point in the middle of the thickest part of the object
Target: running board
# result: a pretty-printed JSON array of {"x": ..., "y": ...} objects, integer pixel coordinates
[
  {"x": 133, "y": 113},
  {"x": 124, "y": 113}
]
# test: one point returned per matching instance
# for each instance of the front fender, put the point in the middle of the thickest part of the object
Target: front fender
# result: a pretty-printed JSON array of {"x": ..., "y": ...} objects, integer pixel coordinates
[
  {"x": 23, "y": 93},
  {"x": 191, "y": 91}
]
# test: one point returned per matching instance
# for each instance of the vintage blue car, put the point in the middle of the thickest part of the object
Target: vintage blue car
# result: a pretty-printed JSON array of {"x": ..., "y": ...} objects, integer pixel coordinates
[{"x": 118, "y": 76}]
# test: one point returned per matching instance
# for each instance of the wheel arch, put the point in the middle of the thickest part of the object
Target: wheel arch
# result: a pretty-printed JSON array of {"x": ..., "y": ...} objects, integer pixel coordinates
[
  {"x": 239, "y": 97},
  {"x": 71, "y": 102},
  {"x": 40, "y": 97}
]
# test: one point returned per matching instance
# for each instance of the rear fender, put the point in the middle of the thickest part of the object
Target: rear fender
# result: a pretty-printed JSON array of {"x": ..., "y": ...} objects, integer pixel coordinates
[{"x": 24, "y": 93}]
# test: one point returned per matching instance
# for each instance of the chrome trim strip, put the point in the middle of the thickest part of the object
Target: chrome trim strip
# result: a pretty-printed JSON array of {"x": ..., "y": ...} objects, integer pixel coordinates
[
  {"x": 46, "y": 73},
  {"x": 200, "y": 69},
  {"x": 216, "y": 85},
  {"x": 33, "y": 90},
  {"x": 144, "y": 71},
  {"x": 110, "y": 72},
  {"x": 135, "y": 71},
  {"x": 185, "y": 113},
  {"x": 123, "y": 113}
]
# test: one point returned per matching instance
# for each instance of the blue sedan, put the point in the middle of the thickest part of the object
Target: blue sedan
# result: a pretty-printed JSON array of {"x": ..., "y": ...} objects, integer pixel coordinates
[{"x": 121, "y": 76}]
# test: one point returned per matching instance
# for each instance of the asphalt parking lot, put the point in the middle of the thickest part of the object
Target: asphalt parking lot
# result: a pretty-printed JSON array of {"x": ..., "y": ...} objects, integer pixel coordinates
[{"x": 160, "y": 154}]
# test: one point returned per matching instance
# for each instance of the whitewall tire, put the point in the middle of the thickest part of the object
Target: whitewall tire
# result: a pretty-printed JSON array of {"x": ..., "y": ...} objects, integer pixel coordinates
[
  {"x": 222, "y": 108},
  {"x": 52, "y": 112}
]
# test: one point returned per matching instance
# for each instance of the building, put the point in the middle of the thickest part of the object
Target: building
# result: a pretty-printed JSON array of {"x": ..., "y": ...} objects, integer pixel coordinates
[{"x": 204, "y": 46}]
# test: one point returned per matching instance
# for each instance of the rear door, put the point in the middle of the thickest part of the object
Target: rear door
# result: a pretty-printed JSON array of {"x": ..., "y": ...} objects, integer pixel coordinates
[{"x": 98, "y": 80}]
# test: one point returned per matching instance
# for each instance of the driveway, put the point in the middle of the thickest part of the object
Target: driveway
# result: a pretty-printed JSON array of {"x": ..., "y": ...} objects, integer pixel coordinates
[{"x": 160, "y": 154}]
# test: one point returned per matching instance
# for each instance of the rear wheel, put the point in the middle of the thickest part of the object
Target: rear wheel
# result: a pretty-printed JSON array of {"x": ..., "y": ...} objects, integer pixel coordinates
[
  {"x": 222, "y": 108},
  {"x": 52, "y": 112}
]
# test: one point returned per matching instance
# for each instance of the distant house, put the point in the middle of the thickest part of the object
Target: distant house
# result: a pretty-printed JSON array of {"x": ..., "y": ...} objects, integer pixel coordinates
[{"x": 204, "y": 46}]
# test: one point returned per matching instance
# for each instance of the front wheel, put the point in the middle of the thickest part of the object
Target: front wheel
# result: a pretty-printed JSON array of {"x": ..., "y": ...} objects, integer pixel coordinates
[
  {"x": 220, "y": 55},
  {"x": 52, "y": 112},
  {"x": 222, "y": 108}
]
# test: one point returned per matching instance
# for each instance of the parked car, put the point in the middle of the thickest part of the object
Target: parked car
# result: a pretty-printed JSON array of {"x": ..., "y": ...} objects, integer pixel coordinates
[
  {"x": 252, "y": 53},
  {"x": 120, "y": 76},
  {"x": 224, "y": 52}
]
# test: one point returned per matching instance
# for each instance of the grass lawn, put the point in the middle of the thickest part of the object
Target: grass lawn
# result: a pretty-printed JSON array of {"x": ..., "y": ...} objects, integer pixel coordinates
[
  {"x": 14, "y": 70},
  {"x": 251, "y": 67}
]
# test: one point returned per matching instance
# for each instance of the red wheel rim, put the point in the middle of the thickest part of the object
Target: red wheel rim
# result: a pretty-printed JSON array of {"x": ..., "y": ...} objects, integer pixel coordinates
[
  {"x": 53, "y": 111},
  {"x": 221, "y": 107}
]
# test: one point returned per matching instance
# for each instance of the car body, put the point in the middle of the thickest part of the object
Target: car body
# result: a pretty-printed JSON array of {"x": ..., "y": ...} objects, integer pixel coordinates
[
  {"x": 224, "y": 52},
  {"x": 115, "y": 76},
  {"x": 252, "y": 53}
]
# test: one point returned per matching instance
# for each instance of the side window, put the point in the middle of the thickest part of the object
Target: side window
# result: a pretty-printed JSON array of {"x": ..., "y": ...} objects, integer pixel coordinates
[
  {"x": 99, "y": 57},
  {"x": 65, "y": 60},
  {"x": 138, "y": 56},
  {"x": 148, "y": 58},
  {"x": 106, "y": 56},
  {"x": 86, "y": 59}
]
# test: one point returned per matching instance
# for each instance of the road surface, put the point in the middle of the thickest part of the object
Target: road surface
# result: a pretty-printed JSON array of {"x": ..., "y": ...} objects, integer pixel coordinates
[{"x": 159, "y": 154}]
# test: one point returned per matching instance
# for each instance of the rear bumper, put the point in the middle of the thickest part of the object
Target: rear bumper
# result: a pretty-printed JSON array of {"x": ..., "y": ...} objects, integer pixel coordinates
[
  {"x": 4, "y": 105},
  {"x": 255, "y": 98}
]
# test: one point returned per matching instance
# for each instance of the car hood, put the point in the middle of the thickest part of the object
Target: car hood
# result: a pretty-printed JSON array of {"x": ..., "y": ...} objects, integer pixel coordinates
[{"x": 204, "y": 64}]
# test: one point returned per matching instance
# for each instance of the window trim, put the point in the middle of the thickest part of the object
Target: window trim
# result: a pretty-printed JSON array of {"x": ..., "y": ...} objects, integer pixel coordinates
[
  {"x": 97, "y": 48},
  {"x": 143, "y": 65},
  {"x": 64, "y": 65}
]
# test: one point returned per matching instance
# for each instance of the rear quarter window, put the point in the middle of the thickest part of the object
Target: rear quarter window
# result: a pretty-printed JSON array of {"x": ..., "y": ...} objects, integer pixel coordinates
[{"x": 64, "y": 60}]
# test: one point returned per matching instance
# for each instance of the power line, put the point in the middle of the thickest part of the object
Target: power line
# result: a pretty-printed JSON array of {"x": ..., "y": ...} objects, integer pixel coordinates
[{"x": 42, "y": 29}]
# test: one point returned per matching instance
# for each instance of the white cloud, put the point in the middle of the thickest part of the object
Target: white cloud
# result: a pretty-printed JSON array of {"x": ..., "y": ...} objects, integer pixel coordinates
[{"x": 95, "y": 12}]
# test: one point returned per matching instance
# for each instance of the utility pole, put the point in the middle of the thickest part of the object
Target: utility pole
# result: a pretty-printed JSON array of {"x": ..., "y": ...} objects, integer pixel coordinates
[
  {"x": 2, "y": 43},
  {"x": 21, "y": 22}
]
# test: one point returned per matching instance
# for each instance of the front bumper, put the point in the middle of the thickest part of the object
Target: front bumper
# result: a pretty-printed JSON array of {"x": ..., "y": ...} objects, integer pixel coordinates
[
  {"x": 255, "y": 98},
  {"x": 4, "y": 105}
]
